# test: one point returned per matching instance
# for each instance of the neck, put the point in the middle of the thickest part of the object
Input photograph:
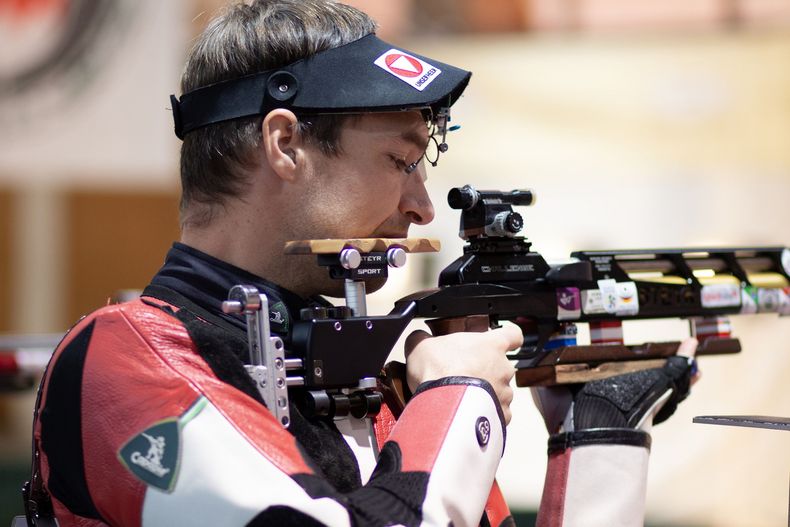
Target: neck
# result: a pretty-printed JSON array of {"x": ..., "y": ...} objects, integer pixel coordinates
[{"x": 247, "y": 237}]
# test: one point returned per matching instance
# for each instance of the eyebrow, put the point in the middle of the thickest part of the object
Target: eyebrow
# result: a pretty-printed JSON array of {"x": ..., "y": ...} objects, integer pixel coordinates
[{"x": 413, "y": 136}]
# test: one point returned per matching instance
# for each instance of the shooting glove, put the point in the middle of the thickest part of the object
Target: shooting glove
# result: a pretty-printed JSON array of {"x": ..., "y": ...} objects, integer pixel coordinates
[
  {"x": 599, "y": 443},
  {"x": 633, "y": 400}
]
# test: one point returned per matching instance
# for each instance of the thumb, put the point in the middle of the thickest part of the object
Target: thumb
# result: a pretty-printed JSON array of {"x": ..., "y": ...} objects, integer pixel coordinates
[
  {"x": 688, "y": 348},
  {"x": 413, "y": 340}
]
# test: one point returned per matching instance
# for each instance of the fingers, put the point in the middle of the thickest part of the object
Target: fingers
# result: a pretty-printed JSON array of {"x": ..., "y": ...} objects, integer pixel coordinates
[
  {"x": 688, "y": 348},
  {"x": 512, "y": 335},
  {"x": 480, "y": 355},
  {"x": 414, "y": 339}
]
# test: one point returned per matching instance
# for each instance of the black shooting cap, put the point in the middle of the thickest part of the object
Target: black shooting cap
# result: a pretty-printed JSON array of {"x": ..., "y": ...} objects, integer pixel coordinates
[{"x": 366, "y": 75}]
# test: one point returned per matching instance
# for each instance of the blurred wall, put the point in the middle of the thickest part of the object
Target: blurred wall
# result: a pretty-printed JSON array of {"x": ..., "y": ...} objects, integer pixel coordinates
[{"x": 638, "y": 124}]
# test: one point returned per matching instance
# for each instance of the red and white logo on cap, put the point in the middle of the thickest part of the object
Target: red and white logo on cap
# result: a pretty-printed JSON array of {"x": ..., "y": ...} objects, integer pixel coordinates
[{"x": 411, "y": 70}]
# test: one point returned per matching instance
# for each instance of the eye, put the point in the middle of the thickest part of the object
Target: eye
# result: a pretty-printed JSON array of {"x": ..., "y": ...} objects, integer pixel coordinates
[{"x": 401, "y": 164}]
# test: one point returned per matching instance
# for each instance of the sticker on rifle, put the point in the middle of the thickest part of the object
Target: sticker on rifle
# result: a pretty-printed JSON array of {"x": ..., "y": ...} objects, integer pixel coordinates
[
  {"x": 565, "y": 336},
  {"x": 568, "y": 303},
  {"x": 592, "y": 302},
  {"x": 608, "y": 290},
  {"x": 784, "y": 302},
  {"x": 415, "y": 72},
  {"x": 705, "y": 327},
  {"x": 721, "y": 295},
  {"x": 768, "y": 300},
  {"x": 749, "y": 301},
  {"x": 786, "y": 261},
  {"x": 620, "y": 299}
]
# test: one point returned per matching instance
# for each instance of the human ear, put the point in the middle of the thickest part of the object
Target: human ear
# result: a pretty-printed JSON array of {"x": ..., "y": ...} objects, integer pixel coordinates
[{"x": 281, "y": 142}]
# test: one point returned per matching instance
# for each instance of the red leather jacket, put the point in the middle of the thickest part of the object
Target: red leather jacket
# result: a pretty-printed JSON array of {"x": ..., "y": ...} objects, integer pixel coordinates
[{"x": 140, "y": 422}]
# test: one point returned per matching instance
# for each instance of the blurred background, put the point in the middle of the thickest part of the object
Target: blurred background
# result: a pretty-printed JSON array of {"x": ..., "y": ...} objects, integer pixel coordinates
[{"x": 639, "y": 124}]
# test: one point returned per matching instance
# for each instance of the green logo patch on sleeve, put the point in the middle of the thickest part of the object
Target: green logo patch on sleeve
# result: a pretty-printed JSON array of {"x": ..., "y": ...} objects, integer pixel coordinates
[{"x": 153, "y": 454}]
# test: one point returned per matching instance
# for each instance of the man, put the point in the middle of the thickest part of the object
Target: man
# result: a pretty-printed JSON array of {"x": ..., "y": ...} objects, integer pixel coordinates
[{"x": 298, "y": 123}]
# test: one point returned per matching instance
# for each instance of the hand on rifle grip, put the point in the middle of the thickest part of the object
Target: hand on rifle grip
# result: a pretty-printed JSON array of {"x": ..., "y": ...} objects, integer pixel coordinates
[
  {"x": 465, "y": 354},
  {"x": 632, "y": 400}
]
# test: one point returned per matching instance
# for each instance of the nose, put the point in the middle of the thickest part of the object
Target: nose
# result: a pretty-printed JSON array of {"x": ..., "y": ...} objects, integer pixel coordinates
[{"x": 415, "y": 202}]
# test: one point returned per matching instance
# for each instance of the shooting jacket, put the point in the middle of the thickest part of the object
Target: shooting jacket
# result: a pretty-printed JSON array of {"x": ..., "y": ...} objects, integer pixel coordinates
[{"x": 146, "y": 416}]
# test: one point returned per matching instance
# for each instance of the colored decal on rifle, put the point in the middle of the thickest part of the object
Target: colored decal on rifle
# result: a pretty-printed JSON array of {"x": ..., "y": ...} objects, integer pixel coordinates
[
  {"x": 784, "y": 302},
  {"x": 606, "y": 332},
  {"x": 153, "y": 455},
  {"x": 627, "y": 299},
  {"x": 620, "y": 299},
  {"x": 608, "y": 290},
  {"x": 749, "y": 300},
  {"x": 721, "y": 295},
  {"x": 768, "y": 300},
  {"x": 592, "y": 302},
  {"x": 279, "y": 318},
  {"x": 786, "y": 261},
  {"x": 415, "y": 72},
  {"x": 565, "y": 336},
  {"x": 569, "y": 304},
  {"x": 706, "y": 327}
]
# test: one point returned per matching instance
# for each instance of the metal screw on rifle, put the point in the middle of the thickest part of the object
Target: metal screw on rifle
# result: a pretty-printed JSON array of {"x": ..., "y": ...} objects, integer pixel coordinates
[
  {"x": 318, "y": 371},
  {"x": 368, "y": 324},
  {"x": 350, "y": 258},
  {"x": 283, "y": 88},
  {"x": 280, "y": 382},
  {"x": 278, "y": 363},
  {"x": 338, "y": 326},
  {"x": 396, "y": 257}
]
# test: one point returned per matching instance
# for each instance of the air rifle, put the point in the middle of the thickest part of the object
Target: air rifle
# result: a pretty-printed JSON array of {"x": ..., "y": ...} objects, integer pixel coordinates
[
  {"x": 336, "y": 353},
  {"x": 500, "y": 278}
]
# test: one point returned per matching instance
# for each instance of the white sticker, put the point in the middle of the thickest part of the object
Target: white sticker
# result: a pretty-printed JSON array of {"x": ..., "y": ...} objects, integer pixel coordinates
[
  {"x": 592, "y": 303},
  {"x": 721, "y": 295},
  {"x": 786, "y": 260},
  {"x": 768, "y": 300},
  {"x": 627, "y": 299},
  {"x": 415, "y": 72},
  {"x": 619, "y": 298},
  {"x": 748, "y": 301},
  {"x": 608, "y": 290}
]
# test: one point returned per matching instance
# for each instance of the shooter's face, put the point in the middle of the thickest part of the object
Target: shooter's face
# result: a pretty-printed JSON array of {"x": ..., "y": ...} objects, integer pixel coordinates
[{"x": 366, "y": 191}]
